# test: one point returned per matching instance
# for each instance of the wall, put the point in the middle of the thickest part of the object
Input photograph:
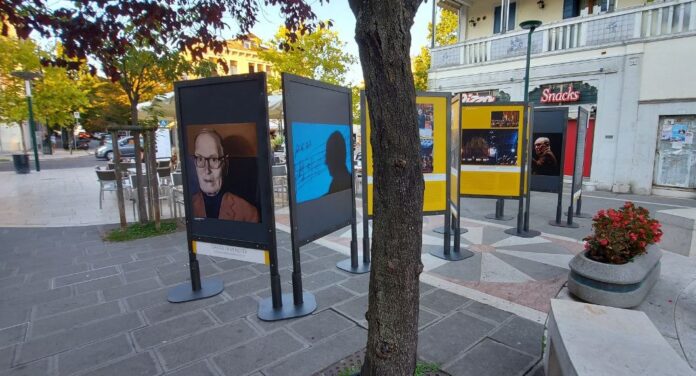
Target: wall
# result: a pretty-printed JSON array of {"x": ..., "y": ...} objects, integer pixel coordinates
[
  {"x": 623, "y": 4},
  {"x": 668, "y": 65},
  {"x": 10, "y": 139}
]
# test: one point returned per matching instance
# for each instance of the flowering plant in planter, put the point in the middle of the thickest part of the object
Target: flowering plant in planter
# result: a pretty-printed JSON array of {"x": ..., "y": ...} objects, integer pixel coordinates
[{"x": 620, "y": 235}]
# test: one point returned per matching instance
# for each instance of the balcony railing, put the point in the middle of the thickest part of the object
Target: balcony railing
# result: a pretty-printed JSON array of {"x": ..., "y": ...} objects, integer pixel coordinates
[{"x": 646, "y": 22}]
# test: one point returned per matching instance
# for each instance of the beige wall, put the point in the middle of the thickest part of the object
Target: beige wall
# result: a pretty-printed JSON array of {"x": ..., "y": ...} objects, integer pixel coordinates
[
  {"x": 623, "y": 4},
  {"x": 667, "y": 67},
  {"x": 526, "y": 10}
]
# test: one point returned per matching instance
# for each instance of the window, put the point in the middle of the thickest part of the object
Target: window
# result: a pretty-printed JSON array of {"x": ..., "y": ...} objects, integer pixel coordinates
[
  {"x": 497, "y": 16},
  {"x": 233, "y": 67},
  {"x": 571, "y": 8},
  {"x": 259, "y": 68},
  {"x": 251, "y": 68},
  {"x": 247, "y": 44}
]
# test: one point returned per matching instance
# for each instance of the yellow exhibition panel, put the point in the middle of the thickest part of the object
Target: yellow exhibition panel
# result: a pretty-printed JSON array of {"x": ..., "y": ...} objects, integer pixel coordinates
[
  {"x": 432, "y": 119},
  {"x": 491, "y": 150}
]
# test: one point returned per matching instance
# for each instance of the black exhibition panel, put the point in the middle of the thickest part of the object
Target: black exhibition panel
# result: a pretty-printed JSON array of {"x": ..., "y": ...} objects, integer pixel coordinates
[{"x": 548, "y": 147}]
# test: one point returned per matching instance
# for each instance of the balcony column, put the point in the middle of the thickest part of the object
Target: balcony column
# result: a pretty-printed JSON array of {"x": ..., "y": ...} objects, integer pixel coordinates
[{"x": 463, "y": 17}]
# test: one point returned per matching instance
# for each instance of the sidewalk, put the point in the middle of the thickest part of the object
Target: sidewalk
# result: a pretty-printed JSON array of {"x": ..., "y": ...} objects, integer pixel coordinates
[
  {"x": 88, "y": 307},
  {"x": 58, "y": 153}
]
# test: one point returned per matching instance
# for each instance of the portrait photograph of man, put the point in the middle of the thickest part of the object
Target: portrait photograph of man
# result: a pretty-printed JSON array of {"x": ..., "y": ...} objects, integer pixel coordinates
[
  {"x": 547, "y": 150},
  {"x": 222, "y": 165}
]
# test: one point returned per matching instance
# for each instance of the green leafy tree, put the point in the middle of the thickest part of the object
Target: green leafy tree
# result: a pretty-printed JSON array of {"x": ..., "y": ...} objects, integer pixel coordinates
[
  {"x": 108, "y": 104},
  {"x": 15, "y": 55},
  {"x": 57, "y": 96},
  {"x": 320, "y": 55},
  {"x": 445, "y": 34}
]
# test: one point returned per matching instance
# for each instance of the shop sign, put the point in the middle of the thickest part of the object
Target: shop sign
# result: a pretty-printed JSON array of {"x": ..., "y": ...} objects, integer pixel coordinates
[
  {"x": 486, "y": 96},
  {"x": 569, "y": 95},
  {"x": 473, "y": 98}
]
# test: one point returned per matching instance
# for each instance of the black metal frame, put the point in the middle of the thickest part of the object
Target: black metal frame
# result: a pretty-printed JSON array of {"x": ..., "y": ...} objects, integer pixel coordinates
[{"x": 206, "y": 288}]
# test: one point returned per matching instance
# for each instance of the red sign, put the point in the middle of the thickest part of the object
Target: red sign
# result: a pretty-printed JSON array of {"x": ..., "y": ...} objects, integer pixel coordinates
[
  {"x": 473, "y": 98},
  {"x": 569, "y": 95}
]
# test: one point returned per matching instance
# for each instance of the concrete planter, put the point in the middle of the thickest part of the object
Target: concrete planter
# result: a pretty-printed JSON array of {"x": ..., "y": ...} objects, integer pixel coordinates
[{"x": 621, "y": 286}]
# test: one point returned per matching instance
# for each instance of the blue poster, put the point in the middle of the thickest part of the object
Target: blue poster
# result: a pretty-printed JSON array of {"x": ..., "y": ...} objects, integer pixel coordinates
[{"x": 321, "y": 159}]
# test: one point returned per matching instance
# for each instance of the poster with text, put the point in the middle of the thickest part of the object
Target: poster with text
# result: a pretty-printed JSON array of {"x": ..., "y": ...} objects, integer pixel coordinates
[
  {"x": 321, "y": 162},
  {"x": 426, "y": 133}
]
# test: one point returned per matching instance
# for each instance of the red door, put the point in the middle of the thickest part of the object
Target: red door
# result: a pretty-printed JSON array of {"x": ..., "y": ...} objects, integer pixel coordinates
[{"x": 569, "y": 154}]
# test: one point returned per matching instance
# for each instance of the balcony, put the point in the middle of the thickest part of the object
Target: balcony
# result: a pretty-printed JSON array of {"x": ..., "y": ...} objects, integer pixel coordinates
[{"x": 640, "y": 24}]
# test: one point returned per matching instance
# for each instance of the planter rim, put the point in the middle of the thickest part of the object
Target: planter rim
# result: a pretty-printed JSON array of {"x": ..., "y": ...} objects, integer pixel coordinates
[{"x": 629, "y": 273}]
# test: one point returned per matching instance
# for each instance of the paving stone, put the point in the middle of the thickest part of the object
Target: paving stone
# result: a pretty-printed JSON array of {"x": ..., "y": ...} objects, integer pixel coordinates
[
  {"x": 166, "y": 331},
  {"x": 236, "y": 275},
  {"x": 521, "y": 334},
  {"x": 257, "y": 353},
  {"x": 443, "y": 341},
  {"x": 538, "y": 370},
  {"x": 442, "y": 301},
  {"x": 424, "y": 288},
  {"x": 6, "y": 355},
  {"x": 57, "y": 272},
  {"x": 466, "y": 270},
  {"x": 93, "y": 355},
  {"x": 17, "y": 291},
  {"x": 68, "y": 320},
  {"x": 321, "y": 325},
  {"x": 11, "y": 315},
  {"x": 205, "y": 344},
  {"x": 184, "y": 275},
  {"x": 170, "y": 310},
  {"x": 112, "y": 261},
  {"x": 67, "y": 304},
  {"x": 248, "y": 286},
  {"x": 148, "y": 299},
  {"x": 490, "y": 358},
  {"x": 317, "y": 250},
  {"x": 315, "y": 358},
  {"x": 85, "y": 276},
  {"x": 90, "y": 258},
  {"x": 487, "y": 312},
  {"x": 36, "y": 298},
  {"x": 136, "y": 365},
  {"x": 131, "y": 289},
  {"x": 99, "y": 284},
  {"x": 322, "y": 279},
  {"x": 198, "y": 369},
  {"x": 59, "y": 342},
  {"x": 12, "y": 335},
  {"x": 135, "y": 265},
  {"x": 331, "y": 296},
  {"x": 359, "y": 285},
  {"x": 354, "y": 308},
  {"x": 425, "y": 318},
  {"x": 324, "y": 263},
  {"x": 139, "y": 275},
  {"x": 146, "y": 255},
  {"x": 13, "y": 281},
  {"x": 235, "y": 309},
  {"x": 39, "y": 367}
]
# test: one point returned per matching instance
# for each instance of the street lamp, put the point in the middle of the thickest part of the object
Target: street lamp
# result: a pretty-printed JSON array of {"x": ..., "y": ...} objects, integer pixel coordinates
[
  {"x": 28, "y": 77},
  {"x": 530, "y": 25}
]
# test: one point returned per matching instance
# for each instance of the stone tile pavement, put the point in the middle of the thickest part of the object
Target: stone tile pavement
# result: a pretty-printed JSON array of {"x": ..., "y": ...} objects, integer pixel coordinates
[{"x": 71, "y": 304}]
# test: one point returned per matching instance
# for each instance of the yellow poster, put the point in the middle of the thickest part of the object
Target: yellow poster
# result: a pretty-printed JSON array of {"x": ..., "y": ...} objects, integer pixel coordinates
[
  {"x": 432, "y": 128},
  {"x": 491, "y": 149}
]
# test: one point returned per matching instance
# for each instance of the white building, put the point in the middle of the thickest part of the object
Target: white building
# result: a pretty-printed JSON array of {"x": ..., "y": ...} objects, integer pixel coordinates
[{"x": 633, "y": 63}]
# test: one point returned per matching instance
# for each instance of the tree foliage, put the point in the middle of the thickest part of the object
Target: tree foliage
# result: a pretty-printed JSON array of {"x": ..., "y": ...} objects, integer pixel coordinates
[
  {"x": 108, "y": 104},
  {"x": 320, "y": 55},
  {"x": 445, "y": 34}
]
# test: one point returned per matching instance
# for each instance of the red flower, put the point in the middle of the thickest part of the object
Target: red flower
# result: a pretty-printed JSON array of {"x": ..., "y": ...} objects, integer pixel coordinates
[{"x": 603, "y": 242}]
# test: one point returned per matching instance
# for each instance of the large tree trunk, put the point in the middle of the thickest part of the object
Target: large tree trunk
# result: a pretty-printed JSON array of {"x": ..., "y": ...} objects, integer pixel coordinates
[{"x": 382, "y": 32}]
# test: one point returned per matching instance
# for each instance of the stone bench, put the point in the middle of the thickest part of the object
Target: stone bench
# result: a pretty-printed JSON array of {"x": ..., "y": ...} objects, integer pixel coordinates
[
  {"x": 679, "y": 226},
  {"x": 591, "y": 340}
]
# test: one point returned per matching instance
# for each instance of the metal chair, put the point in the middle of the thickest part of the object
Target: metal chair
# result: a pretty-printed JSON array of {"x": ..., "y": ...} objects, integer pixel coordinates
[
  {"x": 280, "y": 184},
  {"x": 177, "y": 192},
  {"x": 107, "y": 182}
]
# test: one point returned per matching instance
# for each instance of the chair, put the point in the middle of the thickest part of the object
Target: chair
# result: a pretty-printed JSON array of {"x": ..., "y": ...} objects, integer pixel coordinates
[
  {"x": 165, "y": 184},
  {"x": 132, "y": 190},
  {"x": 163, "y": 163},
  {"x": 280, "y": 184},
  {"x": 177, "y": 192},
  {"x": 107, "y": 182}
]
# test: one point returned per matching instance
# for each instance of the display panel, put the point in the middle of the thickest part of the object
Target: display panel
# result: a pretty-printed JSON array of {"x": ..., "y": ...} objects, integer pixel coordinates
[
  {"x": 547, "y": 148},
  {"x": 583, "y": 124},
  {"x": 491, "y": 141},
  {"x": 224, "y": 136},
  {"x": 433, "y": 117},
  {"x": 320, "y": 157}
]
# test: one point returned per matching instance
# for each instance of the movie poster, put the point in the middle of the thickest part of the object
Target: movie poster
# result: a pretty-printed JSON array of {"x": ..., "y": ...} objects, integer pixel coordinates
[
  {"x": 224, "y": 182},
  {"x": 426, "y": 131},
  {"x": 322, "y": 162},
  {"x": 505, "y": 119},
  {"x": 546, "y": 153},
  {"x": 492, "y": 147}
]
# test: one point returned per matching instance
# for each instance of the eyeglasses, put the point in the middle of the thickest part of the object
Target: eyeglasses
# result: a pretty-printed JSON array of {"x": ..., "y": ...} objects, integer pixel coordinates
[{"x": 212, "y": 162}]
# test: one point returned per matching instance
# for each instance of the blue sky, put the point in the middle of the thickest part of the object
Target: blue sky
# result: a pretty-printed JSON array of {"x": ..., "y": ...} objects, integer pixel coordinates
[{"x": 344, "y": 23}]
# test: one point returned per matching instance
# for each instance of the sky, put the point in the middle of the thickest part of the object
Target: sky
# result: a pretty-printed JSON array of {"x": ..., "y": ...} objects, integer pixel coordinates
[{"x": 344, "y": 23}]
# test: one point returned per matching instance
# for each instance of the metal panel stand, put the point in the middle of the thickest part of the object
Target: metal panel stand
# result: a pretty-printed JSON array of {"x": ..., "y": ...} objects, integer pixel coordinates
[
  {"x": 499, "y": 214},
  {"x": 197, "y": 289}
]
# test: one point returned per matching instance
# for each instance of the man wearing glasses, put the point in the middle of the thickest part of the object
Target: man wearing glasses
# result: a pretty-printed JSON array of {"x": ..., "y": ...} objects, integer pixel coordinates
[{"x": 211, "y": 169}]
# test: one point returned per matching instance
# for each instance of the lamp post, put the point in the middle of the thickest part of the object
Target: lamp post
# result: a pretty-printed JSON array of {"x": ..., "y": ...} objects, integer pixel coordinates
[
  {"x": 28, "y": 77},
  {"x": 523, "y": 219}
]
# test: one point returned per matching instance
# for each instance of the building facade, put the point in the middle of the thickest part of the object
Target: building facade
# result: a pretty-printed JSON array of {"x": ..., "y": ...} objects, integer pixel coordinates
[
  {"x": 241, "y": 56},
  {"x": 632, "y": 64}
]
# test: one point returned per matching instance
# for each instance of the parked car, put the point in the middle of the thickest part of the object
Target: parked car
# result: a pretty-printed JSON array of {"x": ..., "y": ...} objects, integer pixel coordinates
[{"x": 126, "y": 146}]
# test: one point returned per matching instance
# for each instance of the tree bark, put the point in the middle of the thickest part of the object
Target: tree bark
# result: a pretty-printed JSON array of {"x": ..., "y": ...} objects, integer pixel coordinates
[{"x": 382, "y": 32}]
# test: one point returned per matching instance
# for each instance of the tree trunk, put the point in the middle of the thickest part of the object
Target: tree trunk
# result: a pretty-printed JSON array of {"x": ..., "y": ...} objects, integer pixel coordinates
[{"x": 382, "y": 32}]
